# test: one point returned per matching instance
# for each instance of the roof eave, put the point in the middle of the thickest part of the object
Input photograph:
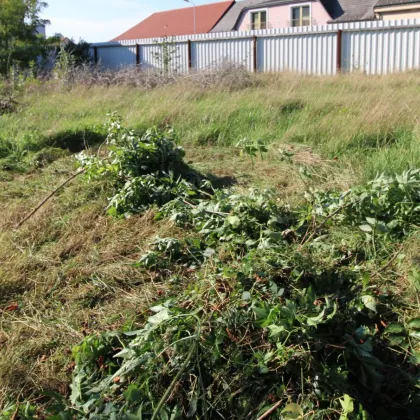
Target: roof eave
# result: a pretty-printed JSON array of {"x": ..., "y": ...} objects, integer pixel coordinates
[
  {"x": 223, "y": 15},
  {"x": 349, "y": 20}
]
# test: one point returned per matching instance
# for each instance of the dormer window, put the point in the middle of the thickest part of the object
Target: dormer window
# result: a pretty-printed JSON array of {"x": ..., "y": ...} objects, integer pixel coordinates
[
  {"x": 301, "y": 16},
  {"x": 259, "y": 20}
]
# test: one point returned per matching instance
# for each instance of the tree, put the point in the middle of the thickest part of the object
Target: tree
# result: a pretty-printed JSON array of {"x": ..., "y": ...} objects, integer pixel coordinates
[
  {"x": 80, "y": 51},
  {"x": 19, "y": 41}
]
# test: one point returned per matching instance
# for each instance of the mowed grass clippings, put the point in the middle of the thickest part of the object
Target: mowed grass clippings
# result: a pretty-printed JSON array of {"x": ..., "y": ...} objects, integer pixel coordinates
[{"x": 70, "y": 271}]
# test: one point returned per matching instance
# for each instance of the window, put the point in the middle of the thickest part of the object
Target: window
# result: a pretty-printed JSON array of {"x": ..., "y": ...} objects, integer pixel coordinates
[
  {"x": 259, "y": 20},
  {"x": 301, "y": 16}
]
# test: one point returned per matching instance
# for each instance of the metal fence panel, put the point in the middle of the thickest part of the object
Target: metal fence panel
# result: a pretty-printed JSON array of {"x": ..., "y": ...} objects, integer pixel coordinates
[
  {"x": 307, "y": 53},
  {"x": 382, "y": 51},
  {"x": 149, "y": 56},
  {"x": 116, "y": 57},
  {"x": 376, "y": 47},
  {"x": 206, "y": 55},
  {"x": 152, "y": 57}
]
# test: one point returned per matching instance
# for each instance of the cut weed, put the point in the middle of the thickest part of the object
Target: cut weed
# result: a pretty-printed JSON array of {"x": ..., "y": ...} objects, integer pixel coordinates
[{"x": 288, "y": 286}]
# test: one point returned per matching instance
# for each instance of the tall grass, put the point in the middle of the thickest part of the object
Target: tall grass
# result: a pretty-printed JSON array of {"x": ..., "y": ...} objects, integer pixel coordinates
[
  {"x": 70, "y": 270},
  {"x": 370, "y": 122}
]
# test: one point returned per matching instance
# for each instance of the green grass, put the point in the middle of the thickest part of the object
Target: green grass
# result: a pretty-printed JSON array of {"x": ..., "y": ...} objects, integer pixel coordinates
[
  {"x": 371, "y": 123},
  {"x": 70, "y": 269}
]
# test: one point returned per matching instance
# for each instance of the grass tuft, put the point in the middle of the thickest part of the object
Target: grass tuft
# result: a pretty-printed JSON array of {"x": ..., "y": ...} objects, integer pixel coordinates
[{"x": 73, "y": 275}]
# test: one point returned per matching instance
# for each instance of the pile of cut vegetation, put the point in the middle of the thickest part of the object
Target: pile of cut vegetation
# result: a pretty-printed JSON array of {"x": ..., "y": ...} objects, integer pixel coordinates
[{"x": 273, "y": 312}]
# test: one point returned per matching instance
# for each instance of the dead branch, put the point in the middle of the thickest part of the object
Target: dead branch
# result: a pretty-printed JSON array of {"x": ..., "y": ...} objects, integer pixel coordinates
[
  {"x": 47, "y": 198},
  {"x": 271, "y": 410}
]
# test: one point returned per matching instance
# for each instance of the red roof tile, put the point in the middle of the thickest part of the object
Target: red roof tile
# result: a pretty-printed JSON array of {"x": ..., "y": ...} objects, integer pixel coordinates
[{"x": 178, "y": 22}]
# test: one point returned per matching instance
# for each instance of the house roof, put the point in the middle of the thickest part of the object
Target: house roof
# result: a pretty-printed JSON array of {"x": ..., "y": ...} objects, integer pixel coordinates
[
  {"x": 339, "y": 10},
  {"x": 386, "y": 3},
  {"x": 231, "y": 18},
  {"x": 178, "y": 22},
  {"x": 353, "y": 10}
]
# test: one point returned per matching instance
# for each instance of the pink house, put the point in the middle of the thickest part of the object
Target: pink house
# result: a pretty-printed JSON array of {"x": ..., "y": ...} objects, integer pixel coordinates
[
  {"x": 248, "y": 15},
  {"x": 284, "y": 16}
]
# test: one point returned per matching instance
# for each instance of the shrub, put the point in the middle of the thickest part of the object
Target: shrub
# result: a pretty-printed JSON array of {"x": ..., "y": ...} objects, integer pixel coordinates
[{"x": 144, "y": 169}]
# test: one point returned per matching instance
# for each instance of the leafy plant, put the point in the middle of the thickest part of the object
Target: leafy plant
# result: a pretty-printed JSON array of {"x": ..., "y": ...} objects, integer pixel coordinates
[
  {"x": 275, "y": 311},
  {"x": 166, "y": 55},
  {"x": 252, "y": 148},
  {"x": 387, "y": 207},
  {"x": 144, "y": 169}
]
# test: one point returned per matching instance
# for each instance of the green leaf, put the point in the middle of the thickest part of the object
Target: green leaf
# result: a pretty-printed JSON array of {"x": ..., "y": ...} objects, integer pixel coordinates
[
  {"x": 246, "y": 296},
  {"x": 157, "y": 309},
  {"x": 369, "y": 302},
  {"x": 415, "y": 334},
  {"x": 381, "y": 228},
  {"x": 209, "y": 252},
  {"x": 414, "y": 324},
  {"x": 394, "y": 327},
  {"x": 347, "y": 404},
  {"x": 129, "y": 416},
  {"x": 293, "y": 408},
  {"x": 371, "y": 221},
  {"x": 276, "y": 330},
  {"x": 365, "y": 280},
  {"x": 260, "y": 313},
  {"x": 396, "y": 340},
  {"x": 161, "y": 316},
  {"x": 366, "y": 228},
  {"x": 192, "y": 408},
  {"x": 112, "y": 211},
  {"x": 133, "y": 394},
  {"x": 415, "y": 358},
  {"x": 234, "y": 221},
  {"x": 316, "y": 320}
]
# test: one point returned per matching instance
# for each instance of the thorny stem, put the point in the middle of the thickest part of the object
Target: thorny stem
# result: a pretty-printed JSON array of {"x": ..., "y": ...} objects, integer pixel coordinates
[
  {"x": 181, "y": 370},
  {"x": 173, "y": 383},
  {"x": 316, "y": 229},
  {"x": 271, "y": 410}
]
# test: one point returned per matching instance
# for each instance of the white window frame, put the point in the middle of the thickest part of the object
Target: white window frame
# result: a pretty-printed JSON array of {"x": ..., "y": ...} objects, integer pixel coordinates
[
  {"x": 251, "y": 12},
  {"x": 299, "y": 5}
]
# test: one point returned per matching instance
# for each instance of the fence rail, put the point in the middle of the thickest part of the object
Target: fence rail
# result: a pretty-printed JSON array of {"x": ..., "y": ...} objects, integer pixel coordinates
[{"x": 374, "y": 47}]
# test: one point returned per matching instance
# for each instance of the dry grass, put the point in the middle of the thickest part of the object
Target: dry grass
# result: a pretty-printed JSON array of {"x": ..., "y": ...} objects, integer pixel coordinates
[
  {"x": 372, "y": 122},
  {"x": 69, "y": 271},
  {"x": 274, "y": 171}
]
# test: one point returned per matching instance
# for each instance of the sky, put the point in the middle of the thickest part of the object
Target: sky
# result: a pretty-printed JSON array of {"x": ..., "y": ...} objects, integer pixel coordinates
[{"x": 102, "y": 20}]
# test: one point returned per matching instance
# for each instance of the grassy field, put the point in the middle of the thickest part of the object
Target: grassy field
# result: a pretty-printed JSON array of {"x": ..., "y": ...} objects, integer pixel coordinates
[
  {"x": 72, "y": 271},
  {"x": 371, "y": 122}
]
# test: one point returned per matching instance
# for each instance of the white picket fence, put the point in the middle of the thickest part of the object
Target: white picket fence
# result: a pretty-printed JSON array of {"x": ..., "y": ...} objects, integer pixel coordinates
[{"x": 374, "y": 47}]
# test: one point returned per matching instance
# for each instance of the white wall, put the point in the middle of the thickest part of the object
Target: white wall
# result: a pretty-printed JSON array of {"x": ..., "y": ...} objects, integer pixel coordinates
[
  {"x": 376, "y": 47},
  {"x": 280, "y": 16}
]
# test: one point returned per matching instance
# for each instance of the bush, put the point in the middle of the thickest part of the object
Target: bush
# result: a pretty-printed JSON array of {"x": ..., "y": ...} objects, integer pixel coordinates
[
  {"x": 272, "y": 309},
  {"x": 144, "y": 169}
]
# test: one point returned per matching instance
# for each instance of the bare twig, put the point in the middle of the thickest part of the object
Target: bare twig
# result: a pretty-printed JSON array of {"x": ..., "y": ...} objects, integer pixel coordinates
[
  {"x": 173, "y": 383},
  {"x": 47, "y": 198},
  {"x": 394, "y": 257},
  {"x": 318, "y": 228},
  {"x": 271, "y": 410},
  {"x": 15, "y": 414}
]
